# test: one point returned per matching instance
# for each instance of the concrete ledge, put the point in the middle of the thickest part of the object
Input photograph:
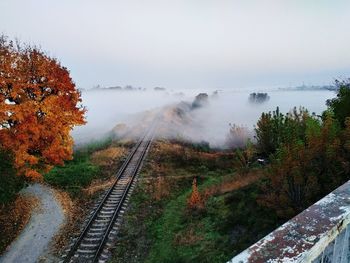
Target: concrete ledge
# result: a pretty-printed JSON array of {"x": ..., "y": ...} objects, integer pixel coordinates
[{"x": 319, "y": 234}]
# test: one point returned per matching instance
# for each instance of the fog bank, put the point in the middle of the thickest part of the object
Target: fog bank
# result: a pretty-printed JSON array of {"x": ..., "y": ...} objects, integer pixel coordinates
[{"x": 134, "y": 110}]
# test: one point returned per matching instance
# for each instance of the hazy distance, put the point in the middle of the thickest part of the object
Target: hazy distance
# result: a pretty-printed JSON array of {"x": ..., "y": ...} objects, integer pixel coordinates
[
  {"x": 188, "y": 44},
  {"x": 108, "y": 108}
]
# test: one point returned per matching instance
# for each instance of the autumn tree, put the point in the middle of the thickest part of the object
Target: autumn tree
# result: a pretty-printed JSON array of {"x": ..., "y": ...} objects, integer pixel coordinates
[{"x": 39, "y": 106}]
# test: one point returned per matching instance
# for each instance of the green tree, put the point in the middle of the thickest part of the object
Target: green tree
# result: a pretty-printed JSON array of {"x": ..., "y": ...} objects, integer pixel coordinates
[
  {"x": 302, "y": 171},
  {"x": 341, "y": 104},
  {"x": 275, "y": 129}
]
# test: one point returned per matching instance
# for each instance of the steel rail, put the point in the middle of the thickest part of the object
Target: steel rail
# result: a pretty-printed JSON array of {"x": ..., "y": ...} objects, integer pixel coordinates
[
  {"x": 117, "y": 210},
  {"x": 74, "y": 248}
]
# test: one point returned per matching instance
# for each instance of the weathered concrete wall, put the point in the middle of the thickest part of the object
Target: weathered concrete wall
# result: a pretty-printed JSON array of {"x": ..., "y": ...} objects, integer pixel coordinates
[{"x": 319, "y": 234}]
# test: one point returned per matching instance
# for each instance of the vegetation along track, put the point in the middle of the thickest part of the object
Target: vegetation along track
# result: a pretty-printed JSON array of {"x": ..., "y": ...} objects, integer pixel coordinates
[{"x": 98, "y": 235}]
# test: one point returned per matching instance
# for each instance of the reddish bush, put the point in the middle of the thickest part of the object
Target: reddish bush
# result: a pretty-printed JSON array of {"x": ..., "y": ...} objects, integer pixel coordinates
[{"x": 195, "y": 201}]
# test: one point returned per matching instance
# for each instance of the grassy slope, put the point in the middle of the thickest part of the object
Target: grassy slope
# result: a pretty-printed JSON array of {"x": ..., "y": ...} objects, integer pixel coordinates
[
  {"x": 78, "y": 173},
  {"x": 169, "y": 231},
  {"x": 72, "y": 177}
]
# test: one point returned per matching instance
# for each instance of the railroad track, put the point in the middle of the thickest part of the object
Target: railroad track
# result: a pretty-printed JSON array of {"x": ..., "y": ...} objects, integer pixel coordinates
[{"x": 98, "y": 235}]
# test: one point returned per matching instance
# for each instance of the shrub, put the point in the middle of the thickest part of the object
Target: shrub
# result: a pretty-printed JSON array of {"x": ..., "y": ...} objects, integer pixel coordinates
[
  {"x": 195, "y": 201},
  {"x": 275, "y": 129},
  {"x": 10, "y": 182},
  {"x": 302, "y": 172}
]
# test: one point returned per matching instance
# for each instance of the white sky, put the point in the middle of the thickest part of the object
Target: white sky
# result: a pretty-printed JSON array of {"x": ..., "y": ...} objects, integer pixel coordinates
[{"x": 188, "y": 43}]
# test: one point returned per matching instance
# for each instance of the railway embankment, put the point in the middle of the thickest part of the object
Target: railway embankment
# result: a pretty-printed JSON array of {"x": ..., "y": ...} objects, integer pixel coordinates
[{"x": 224, "y": 220}]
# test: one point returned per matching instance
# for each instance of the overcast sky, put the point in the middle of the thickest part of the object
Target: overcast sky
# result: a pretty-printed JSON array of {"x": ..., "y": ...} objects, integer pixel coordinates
[{"x": 188, "y": 43}]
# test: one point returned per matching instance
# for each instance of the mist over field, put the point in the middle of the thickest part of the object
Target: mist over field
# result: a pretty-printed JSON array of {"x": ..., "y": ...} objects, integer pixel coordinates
[
  {"x": 211, "y": 123},
  {"x": 105, "y": 109}
]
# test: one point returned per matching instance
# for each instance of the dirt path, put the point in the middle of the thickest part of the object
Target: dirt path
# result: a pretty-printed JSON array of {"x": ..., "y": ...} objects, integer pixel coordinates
[{"x": 45, "y": 221}]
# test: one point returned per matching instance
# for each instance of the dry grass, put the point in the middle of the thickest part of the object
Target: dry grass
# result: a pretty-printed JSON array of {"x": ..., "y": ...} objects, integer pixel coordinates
[
  {"x": 173, "y": 178},
  {"x": 76, "y": 211},
  {"x": 65, "y": 201},
  {"x": 188, "y": 238},
  {"x": 98, "y": 185},
  {"x": 167, "y": 157},
  {"x": 14, "y": 217},
  {"x": 160, "y": 189},
  {"x": 70, "y": 212},
  {"x": 107, "y": 157},
  {"x": 178, "y": 150},
  {"x": 232, "y": 184}
]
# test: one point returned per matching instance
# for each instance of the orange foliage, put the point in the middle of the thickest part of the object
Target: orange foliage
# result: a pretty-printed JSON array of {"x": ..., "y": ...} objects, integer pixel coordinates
[
  {"x": 195, "y": 200},
  {"x": 39, "y": 106}
]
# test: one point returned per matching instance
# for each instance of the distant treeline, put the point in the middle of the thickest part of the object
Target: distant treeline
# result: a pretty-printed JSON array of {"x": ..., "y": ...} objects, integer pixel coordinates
[
  {"x": 312, "y": 87},
  {"x": 258, "y": 97},
  {"x": 125, "y": 88}
]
